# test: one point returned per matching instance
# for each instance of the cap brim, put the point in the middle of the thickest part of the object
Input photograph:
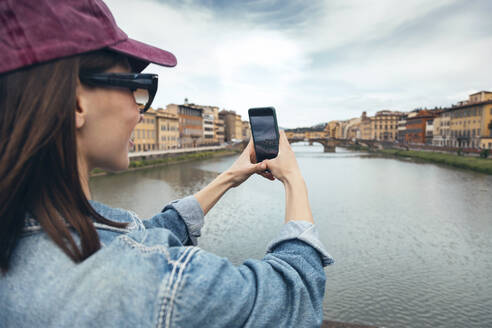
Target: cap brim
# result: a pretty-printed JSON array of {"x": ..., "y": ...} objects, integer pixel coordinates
[{"x": 143, "y": 54}]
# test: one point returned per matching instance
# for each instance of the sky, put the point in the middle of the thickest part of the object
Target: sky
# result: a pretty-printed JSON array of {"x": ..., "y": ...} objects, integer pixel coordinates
[{"x": 315, "y": 61}]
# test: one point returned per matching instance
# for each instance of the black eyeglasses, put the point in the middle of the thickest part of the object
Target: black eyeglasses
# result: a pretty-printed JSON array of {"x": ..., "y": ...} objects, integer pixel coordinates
[{"x": 143, "y": 86}]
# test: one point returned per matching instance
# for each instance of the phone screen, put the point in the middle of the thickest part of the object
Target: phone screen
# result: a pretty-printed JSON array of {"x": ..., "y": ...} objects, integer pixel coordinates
[{"x": 264, "y": 130}]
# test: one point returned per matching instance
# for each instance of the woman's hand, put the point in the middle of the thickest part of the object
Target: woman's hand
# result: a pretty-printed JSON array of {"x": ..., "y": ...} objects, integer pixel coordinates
[
  {"x": 246, "y": 165},
  {"x": 284, "y": 166}
]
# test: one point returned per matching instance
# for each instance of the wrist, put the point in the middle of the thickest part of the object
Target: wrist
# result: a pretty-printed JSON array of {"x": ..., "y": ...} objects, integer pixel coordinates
[
  {"x": 294, "y": 179},
  {"x": 226, "y": 179},
  {"x": 208, "y": 196}
]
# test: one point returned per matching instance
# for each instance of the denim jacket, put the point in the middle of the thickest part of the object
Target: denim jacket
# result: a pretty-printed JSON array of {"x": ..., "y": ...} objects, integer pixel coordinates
[{"x": 152, "y": 274}]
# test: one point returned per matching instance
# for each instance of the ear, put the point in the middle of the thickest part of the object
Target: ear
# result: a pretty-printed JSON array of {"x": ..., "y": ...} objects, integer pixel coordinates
[{"x": 80, "y": 107}]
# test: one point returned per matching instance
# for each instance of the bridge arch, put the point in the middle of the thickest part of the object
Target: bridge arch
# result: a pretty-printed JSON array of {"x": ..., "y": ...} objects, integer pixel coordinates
[{"x": 328, "y": 144}]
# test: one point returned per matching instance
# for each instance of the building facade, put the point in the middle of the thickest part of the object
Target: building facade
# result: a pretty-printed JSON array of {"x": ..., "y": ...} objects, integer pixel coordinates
[
  {"x": 415, "y": 128},
  {"x": 352, "y": 130},
  {"x": 333, "y": 130},
  {"x": 167, "y": 130},
  {"x": 315, "y": 134},
  {"x": 471, "y": 121},
  {"x": 208, "y": 126},
  {"x": 208, "y": 129},
  {"x": 190, "y": 124},
  {"x": 246, "y": 130},
  {"x": 429, "y": 131},
  {"x": 145, "y": 133},
  {"x": 213, "y": 125},
  {"x": 402, "y": 129},
  {"x": 441, "y": 135},
  {"x": 366, "y": 126},
  {"x": 294, "y": 135},
  {"x": 385, "y": 125},
  {"x": 238, "y": 123},
  {"x": 219, "y": 127},
  {"x": 233, "y": 125}
]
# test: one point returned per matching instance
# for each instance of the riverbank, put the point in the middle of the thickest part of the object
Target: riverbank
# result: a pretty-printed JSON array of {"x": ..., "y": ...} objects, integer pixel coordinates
[
  {"x": 463, "y": 162},
  {"x": 167, "y": 160}
]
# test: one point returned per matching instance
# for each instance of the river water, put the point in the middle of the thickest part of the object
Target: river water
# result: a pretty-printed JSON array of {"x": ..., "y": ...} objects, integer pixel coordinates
[{"x": 412, "y": 241}]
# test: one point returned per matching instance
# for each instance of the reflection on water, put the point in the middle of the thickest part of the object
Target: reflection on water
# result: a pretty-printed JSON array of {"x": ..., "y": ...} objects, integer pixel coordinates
[{"x": 413, "y": 241}]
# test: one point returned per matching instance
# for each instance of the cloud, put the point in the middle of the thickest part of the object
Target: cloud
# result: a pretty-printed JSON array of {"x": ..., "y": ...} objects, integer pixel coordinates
[{"x": 315, "y": 61}]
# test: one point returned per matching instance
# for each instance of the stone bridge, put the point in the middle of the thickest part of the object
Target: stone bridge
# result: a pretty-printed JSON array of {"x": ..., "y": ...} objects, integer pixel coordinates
[{"x": 330, "y": 144}]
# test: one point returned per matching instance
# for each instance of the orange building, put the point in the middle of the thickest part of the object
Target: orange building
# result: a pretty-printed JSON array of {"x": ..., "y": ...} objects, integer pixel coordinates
[
  {"x": 415, "y": 131},
  {"x": 190, "y": 125}
]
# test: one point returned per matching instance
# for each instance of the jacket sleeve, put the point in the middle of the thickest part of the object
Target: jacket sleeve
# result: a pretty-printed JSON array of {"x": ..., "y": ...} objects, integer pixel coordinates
[
  {"x": 284, "y": 289},
  {"x": 184, "y": 217}
]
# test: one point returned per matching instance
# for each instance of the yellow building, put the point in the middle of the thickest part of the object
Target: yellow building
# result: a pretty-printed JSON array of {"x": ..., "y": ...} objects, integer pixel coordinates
[
  {"x": 480, "y": 96},
  {"x": 167, "y": 130},
  {"x": 315, "y": 134},
  {"x": 366, "y": 127},
  {"x": 384, "y": 125},
  {"x": 352, "y": 130},
  {"x": 294, "y": 135},
  {"x": 471, "y": 121},
  {"x": 342, "y": 132},
  {"x": 238, "y": 127},
  {"x": 246, "y": 130},
  {"x": 145, "y": 132},
  {"x": 233, "y": 125},
  {"x": 289, "y": 134},
  {"x": 219, "y": 127},
  {"x": 333, "y": 130},
  {"x": 486, "y": 143}
]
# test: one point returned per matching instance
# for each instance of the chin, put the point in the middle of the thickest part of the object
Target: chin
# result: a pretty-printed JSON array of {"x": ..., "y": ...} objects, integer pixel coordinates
[{"x": 122, "y": 165}]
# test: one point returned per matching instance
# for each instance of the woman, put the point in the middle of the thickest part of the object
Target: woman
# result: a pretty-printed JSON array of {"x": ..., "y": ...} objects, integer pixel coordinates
[{"x": 70, "y": 97}]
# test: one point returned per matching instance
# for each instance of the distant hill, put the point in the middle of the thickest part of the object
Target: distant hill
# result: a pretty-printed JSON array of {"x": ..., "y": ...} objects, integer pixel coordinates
[{"x": 317, "y": 127}]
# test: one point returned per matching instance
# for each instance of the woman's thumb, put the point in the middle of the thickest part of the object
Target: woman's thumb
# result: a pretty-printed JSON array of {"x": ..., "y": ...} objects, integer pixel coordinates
[{"x": 260, "y": 167}]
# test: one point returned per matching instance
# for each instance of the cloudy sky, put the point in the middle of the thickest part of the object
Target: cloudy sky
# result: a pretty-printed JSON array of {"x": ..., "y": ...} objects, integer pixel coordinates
[{"x": 316, "y": 61}]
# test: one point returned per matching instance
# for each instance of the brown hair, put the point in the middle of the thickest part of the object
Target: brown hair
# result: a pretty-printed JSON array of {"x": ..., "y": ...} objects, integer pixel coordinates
[{"x": 38, "y": 155}]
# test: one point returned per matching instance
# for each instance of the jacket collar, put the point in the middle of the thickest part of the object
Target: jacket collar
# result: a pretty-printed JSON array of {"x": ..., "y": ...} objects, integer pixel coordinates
[{"x": 110, "y": 213}]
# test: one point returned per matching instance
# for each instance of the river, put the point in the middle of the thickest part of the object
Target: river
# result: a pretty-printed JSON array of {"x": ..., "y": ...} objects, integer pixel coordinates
[{"x": 412, "y": 241}]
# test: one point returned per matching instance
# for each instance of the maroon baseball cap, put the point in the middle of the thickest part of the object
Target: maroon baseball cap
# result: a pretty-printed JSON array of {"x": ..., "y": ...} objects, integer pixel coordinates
[{"x": 36, "y": 31}]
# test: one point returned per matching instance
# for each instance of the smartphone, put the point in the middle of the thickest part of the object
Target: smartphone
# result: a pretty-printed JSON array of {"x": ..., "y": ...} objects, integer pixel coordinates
[{"x": 264, "y": 130}]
